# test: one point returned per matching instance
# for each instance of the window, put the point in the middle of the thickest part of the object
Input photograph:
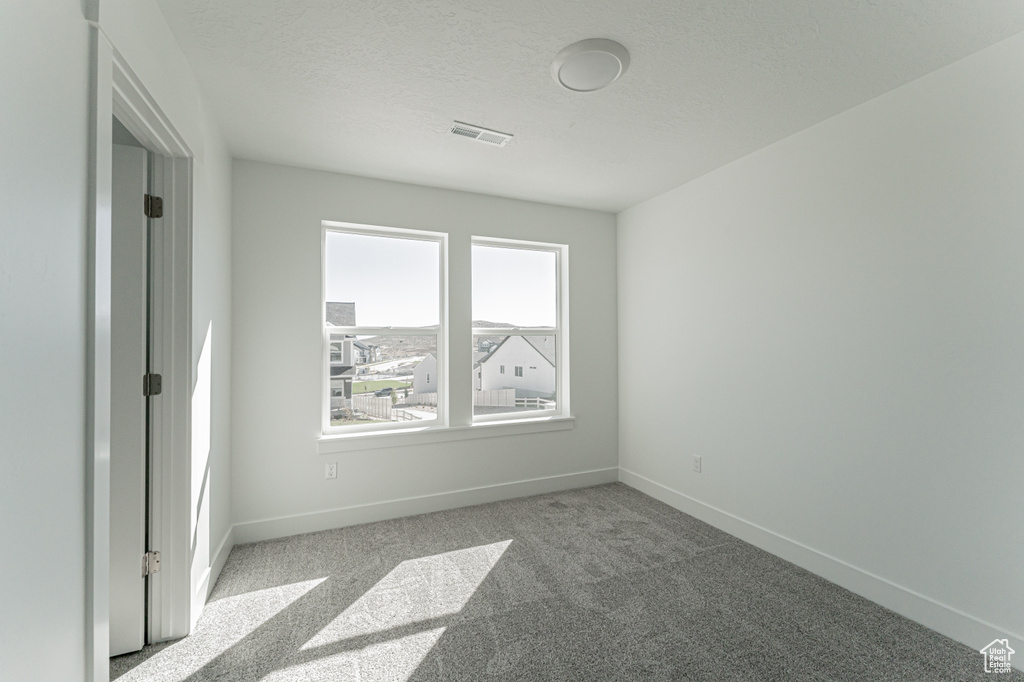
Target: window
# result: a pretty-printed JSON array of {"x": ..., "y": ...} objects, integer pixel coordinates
[
  {"x": 385, "y": 360},
  {"x": 384, "y": 303},
  {"x": 518, "y": 311}
]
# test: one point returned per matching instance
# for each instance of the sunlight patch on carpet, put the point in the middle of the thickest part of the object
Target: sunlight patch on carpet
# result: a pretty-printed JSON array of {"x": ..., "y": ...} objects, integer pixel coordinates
[
  {"x": 415, "y": 591},
  {"x": 233, "y": 619}
]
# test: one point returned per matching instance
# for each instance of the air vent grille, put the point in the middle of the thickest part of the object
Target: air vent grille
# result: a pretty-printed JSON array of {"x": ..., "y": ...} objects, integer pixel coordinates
[
  {"x": 459, "y": 130},
  {"x": 491, "y": 137}
]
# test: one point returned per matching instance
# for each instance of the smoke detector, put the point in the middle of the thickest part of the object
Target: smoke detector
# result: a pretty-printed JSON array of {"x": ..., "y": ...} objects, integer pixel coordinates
[
  {"x": 590, "y": 64},
  {"x": 491, "y": 137}
]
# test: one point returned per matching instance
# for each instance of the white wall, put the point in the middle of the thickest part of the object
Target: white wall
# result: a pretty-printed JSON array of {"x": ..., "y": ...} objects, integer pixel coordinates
[
  {"x": 842, "y": 318},
  {"x": 137, "y": 29},
  {"x": 277, "y": 331},
  {"x": 43, "y": 203},
  {"x": 43, "y": 292}
]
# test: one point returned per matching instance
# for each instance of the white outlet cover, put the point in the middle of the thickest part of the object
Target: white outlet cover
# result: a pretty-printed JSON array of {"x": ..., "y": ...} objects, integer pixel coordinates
[{"x": 696, "y": 464}]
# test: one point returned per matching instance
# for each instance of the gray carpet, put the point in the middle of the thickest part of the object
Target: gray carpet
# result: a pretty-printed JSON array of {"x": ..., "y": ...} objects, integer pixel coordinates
[{"x": 602, "y": 583}]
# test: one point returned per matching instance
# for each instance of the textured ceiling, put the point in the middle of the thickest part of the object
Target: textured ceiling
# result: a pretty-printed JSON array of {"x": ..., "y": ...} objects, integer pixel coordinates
[{"x": 370, "y": 87}]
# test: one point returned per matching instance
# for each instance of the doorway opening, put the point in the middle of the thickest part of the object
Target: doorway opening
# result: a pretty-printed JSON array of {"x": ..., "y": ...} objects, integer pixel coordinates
[
  {"x": 132, "y": 392},
  {"x": 168, "y": 610}
]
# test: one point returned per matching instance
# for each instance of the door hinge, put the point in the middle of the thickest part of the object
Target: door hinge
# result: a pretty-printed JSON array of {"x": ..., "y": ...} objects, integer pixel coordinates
[
  {"x": 150, "y": 563},
  {"x": 154, "y": 206},
  {"x": 152, "y": 384}
]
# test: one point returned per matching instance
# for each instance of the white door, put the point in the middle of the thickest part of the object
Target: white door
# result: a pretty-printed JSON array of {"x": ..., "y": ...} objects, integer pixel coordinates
[{"x": 128, "y": 404}]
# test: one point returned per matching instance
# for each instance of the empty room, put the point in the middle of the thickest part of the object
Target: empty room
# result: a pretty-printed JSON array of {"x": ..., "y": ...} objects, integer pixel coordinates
[{"x": 452, "y": 340}]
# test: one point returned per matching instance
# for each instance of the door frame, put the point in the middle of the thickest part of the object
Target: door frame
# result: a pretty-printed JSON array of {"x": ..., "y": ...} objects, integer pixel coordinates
[{"x": 115, "y": 90}]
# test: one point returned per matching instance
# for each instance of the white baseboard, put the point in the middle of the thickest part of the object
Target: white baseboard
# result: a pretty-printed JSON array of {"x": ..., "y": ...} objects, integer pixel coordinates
[
  {"x": 219, "y": 558},
  {"x": 268, "y": 529},
  {"x": 204, "y": 587},
  {"x": 946, "y": 620}
]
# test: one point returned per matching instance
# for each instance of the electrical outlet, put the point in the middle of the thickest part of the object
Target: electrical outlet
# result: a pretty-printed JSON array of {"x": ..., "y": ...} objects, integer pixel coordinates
[
  {"x": 331, "y": 470},
  {"x": 696, "y": 463}
]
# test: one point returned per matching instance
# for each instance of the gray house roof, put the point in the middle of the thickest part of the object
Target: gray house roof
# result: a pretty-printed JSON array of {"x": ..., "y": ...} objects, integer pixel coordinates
[
  {"x": 341, "y": 314},
  {"x": 545, "y": 345}
]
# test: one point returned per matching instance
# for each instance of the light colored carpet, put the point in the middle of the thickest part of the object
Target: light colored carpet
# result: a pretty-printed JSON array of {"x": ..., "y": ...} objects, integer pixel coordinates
[{"x": 601, "y": 583}]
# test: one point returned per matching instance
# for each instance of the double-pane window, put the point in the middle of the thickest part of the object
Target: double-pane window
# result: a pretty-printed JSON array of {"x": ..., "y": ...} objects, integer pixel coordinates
[
  {"x": 517, "y": 308},
  {"x": 383, "y": 307},
  {"x": 384, "y": 343}
]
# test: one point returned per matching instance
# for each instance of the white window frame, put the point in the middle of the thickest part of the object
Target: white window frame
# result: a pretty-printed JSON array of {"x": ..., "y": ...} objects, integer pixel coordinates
[
  {"x": 440, "y": 331},
  {"x": 560, "y": 332}
]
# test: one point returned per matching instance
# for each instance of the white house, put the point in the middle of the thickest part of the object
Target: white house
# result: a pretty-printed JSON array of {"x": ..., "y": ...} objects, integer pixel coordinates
[
  {"x": 424, "y": 377},
  {"x": 365, "y": 353},
  {"x": 525, "y": 363}
]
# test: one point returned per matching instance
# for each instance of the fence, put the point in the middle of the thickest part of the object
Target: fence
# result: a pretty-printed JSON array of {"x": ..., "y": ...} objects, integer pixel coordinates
[
  {"x": 421, "y": 399},
  {"x": 378, "y": 408},
  {"x": 501, "y": 397},
  {"x": 381, "y": 408},
  {"x": 535, "y": 403}
]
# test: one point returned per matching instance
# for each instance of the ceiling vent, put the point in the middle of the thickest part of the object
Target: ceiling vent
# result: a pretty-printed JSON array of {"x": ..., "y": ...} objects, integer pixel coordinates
[{"x": 491, "y": 137}]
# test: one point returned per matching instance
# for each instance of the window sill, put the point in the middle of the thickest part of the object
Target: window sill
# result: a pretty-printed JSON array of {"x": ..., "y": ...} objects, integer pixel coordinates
[{"x": 390, "y": 439}]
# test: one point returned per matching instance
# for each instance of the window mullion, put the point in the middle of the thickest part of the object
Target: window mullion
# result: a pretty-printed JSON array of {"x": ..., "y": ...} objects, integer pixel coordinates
[{"x": 514, "y": 331}]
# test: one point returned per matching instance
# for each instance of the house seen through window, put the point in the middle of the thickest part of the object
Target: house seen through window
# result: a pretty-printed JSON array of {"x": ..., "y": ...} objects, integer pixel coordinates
[
  {"x": 516, "y": 311},
  {"x": 382, "y": 308}
]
